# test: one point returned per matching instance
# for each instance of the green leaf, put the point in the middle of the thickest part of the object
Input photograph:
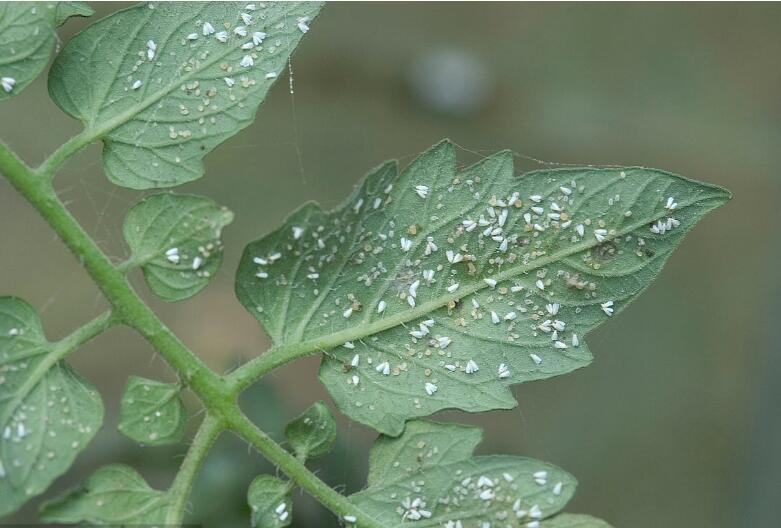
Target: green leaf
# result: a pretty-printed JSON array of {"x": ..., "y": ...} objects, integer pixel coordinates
[
  {"x": 270, "y": 501},
  {"x": 64, "y": 10},
  {"x": 428, "y": 475},
  {"x": 569, "y": 520},
  {"x": 48, "y": 414},
  {"x": 114, "y": 494},
  {"x": 453, "y": 442},
  {"x": 341, "y": 281},
  {"x": 27, "y": 38},
  {"x": 159, "y": 87},
  {"x": 175, "y": 238},
  {"x": 313, "y": 433},
  {"x": 151, "y": 412}
]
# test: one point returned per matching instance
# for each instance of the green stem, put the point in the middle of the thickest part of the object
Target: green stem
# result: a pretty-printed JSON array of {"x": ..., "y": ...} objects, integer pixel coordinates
[
  {"x": 50, "y": 165},
  {"x": 216, "y": 393},
  {"x": 127, "y": 305},
  {"x": 297, "y": 471},
  {"x": 207, "y": 434},
  {"x": 85, "y": 333},
  {"x": 253, "y": 370}
]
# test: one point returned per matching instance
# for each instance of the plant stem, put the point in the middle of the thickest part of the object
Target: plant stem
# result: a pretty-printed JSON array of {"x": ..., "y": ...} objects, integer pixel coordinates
[
  {"x": 127, "y": 305},
  {"x": 253, "y": 370},
  {"x": 216, "y": 393},
  {"x": 179, "y": 491},
  {"x": 297, "y": 471},
  {"x": 63, "y": 154},
  {"x": 84, "y": 333}
]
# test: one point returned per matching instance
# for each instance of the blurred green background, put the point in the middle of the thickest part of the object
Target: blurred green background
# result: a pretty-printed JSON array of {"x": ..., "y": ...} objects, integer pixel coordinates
[{"x": 675, "y": 424}]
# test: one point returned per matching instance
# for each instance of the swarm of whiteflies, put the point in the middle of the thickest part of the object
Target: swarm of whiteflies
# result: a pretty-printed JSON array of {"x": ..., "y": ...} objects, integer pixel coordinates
[
  {"x": 241, "y": 32},
  {"x": 494, "y": 233}
]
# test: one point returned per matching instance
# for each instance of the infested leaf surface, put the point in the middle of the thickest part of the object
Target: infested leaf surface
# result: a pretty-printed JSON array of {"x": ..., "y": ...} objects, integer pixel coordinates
[
  {"x": 27, "y": 38},
  {"x": 175, "y": 238},
  {"x": 312, "y": 434},
  {"x": 162, "y": 84},
  {"x": 48, "y": 413},
  {"x": 435, "y": 288},
  {"x": 270, "y": 501},
  {"x": 429, "y": 477},
  {"x": 151, "y": 412},
  {"x": 113, "y": 495}
]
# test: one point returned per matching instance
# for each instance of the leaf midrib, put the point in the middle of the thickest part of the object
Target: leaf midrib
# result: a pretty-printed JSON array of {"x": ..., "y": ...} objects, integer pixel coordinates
[
  {"x": 360, "y": 331},
  {"x": 440, "y": 225},
  {"x": 382, "y": 291}
]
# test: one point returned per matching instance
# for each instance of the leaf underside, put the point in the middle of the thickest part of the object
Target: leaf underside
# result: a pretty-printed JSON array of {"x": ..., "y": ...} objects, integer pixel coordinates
[
  {"x": 429, "y": 477},
  {"x": 433, "y": 288},
  {"x": 162, "y": 90},
  {"x": 175, "y": 238},
  {"x": 151, "y": 412},
  {"x": 271, "y": 503},
  {"x": 27, "y": 38},
  {"x": 48, "y": 413},
  {"x": 114, "y": 495},
  {"x": 312, "y": 434},
  {"x": 571, "y": 520}
]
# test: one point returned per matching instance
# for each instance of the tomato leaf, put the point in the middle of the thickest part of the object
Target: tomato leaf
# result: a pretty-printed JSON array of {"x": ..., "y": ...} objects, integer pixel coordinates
[
  {"x": 435, "y": 288},
  {"x": 48, "y": 413},
  {"x": 270, "y": 501},
  {"x": 27, "y": 38},
  {"x": 151, "y": 412},
  {"x": 428, "y": 475},
  {"x": 175, "y": 238},
  {"x": 164, "y": 84},
  {"x": 569, "y": 520},
  {"x": 312, "y": 434},
  {"x": 115, "y": 495}
]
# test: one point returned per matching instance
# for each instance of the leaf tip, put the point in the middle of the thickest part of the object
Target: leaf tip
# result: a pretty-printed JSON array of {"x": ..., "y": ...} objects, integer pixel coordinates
[
  {"x": 724, "y": 195},
  {"x": 444, "y": 147},
  {"x": 65, "y": 10}
]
